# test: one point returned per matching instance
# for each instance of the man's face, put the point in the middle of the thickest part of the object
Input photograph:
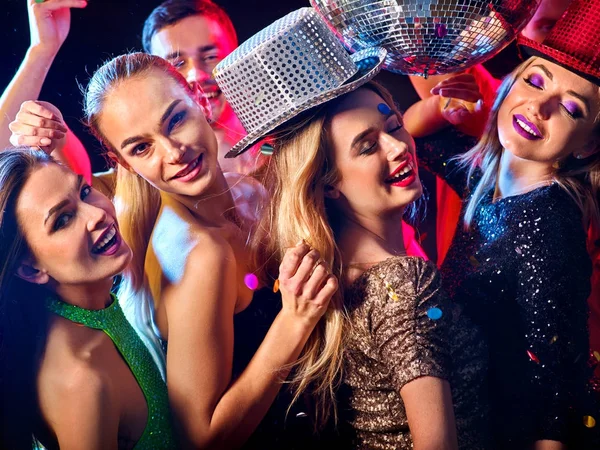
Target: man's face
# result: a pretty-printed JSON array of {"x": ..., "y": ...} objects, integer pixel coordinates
[{"x": 195, "y": 45}]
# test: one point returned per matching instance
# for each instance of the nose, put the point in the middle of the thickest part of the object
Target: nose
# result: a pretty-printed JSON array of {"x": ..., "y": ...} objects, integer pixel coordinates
[
  {"x": 173, "y": 152},
  {"x": 95, "y": 216},
  {"x": 394, "y": 149},
  {"x": 197, "y": 73},
  {"x": 541, "y": 107}
]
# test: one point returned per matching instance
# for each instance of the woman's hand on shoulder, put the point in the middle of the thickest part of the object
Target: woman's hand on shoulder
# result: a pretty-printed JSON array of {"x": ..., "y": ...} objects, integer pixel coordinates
[
  {"x": 39, "y": 124},
  {"x": 306, "y": 284}
]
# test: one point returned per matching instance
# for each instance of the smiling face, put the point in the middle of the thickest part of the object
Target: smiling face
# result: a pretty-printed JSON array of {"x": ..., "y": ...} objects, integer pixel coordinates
[
  {"x": 70, "y": 228},
  {"x": 161, "y": 133},
  {"x": 548, "y": 114},
  {"x": 374, "y": 155},
  {"x": 195, "y": 45}
]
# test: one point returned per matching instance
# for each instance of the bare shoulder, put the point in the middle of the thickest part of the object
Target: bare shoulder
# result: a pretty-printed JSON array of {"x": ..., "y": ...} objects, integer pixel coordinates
[{"x": 71, "y": 381}]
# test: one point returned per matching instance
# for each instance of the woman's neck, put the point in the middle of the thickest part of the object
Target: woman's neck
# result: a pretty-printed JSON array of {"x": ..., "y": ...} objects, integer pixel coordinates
[
  {"x": 214, "y": 208},
  {"x": 365, "y": 241},
  {"x": 87, "y": 296},
  {"x": 517, "y": 176}
]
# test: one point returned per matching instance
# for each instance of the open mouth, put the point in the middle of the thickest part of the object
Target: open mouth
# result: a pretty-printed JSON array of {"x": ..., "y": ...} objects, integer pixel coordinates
[
  {"x": 404, "y": 175},
  {"x": 108, "y": 243},
  {"x": 191, "y": 170},
  {"x": 212, "y": 94},
  {"x": 525, "y": 128}
]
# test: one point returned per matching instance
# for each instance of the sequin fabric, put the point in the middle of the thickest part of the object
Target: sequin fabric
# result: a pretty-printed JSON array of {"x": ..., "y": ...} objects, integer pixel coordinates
[
  {"x": 394, "y": 340},
  {"x": 158, "y": 433},
  {"x": 521, "y": 274}
]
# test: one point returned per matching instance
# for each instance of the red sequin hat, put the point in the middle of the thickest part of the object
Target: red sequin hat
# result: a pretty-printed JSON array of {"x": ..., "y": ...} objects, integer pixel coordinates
[{"x": 574, "y": 42}]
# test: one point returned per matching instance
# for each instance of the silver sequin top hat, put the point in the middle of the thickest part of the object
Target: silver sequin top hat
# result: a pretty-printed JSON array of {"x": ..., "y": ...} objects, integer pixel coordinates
[{"x": 292, "y": 65}]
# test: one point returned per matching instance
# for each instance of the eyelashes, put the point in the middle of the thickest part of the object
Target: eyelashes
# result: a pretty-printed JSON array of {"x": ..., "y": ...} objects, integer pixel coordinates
[
  {"x": 570, "y": 108},
  {"x": 535, "y": 80}
]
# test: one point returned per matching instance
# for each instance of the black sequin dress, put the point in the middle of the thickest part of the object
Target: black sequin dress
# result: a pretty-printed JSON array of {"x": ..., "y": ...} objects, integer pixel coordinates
[{"x": 521, "y": 273}]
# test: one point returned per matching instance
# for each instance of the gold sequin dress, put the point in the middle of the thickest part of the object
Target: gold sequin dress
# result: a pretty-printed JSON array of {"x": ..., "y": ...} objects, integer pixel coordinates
[{"x": 402, "y": 328}]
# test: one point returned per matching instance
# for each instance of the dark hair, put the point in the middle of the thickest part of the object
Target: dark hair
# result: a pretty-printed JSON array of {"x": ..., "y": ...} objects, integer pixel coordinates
[
  {"x": 172, "y": 11},
  {"x": 23, "y": 315}
]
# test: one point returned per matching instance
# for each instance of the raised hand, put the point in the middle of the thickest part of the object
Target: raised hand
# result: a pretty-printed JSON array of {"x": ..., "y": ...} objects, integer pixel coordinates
[
  {"x": 306, "y": 284},
  {"x": 39, "y": 124},
  {"x": 49, "y": 22},
  {"x": 460, "y": 98}
]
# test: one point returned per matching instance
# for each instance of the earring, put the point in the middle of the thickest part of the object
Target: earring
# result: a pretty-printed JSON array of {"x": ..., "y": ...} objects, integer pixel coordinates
[
  {"x": 266, "y": 149},
  {"x": 556, "y": 164}
]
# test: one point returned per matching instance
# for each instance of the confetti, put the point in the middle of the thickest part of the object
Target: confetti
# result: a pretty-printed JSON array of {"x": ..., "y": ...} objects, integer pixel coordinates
[
  {"x": 553, "y": 340},
  {"x": 384, "y": 109},
  {"x": 597, "y": 355},
  {"x": 589, "y": 421},
  {"x": 533, "y": 357},
  {"x": 276, "y": 286},
  {"x": 301, "y": 415},
  {"x": 474, "y": 261},
  {"x": 391, "y": 292},
  {"x": 251, "y": 281},
  {"x": 434, "y": 313}
]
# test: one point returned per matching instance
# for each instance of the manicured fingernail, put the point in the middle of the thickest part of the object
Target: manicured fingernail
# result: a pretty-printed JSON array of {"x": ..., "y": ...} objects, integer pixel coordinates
[{"x": 45, "y": 141}]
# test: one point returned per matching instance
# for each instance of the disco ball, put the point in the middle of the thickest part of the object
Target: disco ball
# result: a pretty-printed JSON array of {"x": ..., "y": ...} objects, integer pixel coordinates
[{"x": 428, "y": 37}]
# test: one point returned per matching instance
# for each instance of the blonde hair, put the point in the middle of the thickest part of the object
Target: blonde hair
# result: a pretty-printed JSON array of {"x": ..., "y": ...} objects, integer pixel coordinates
[
  {"x": 579, "y": 178},
  {"x": 297, "y": 176},
  {"x": 136, "y": 201}
]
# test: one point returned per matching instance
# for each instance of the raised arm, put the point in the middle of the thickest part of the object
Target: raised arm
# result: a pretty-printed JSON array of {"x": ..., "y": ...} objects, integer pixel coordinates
[
  {"x": 49, "y": 24},
  {"x": 453, "y": 101},
  {"x": 210, "y": 412}
]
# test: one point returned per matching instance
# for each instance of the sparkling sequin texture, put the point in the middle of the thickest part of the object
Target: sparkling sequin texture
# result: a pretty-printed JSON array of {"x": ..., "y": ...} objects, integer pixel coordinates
[
  {"x": 527, "y": 296},
  {"x": 392, "y": 342},
  {"x": 158, "y": 433}
]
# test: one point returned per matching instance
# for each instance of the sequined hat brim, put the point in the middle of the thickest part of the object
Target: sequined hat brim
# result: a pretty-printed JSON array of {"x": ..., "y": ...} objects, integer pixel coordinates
[{"x": 369, "y": 62}]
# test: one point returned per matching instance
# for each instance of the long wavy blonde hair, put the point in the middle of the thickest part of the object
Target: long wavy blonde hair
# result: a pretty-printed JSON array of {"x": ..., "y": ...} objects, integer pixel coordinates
[
  {"x": 579, "y": 178},
  {"x": 137, "y": 202},
  {"x": 297, "y": 176}
]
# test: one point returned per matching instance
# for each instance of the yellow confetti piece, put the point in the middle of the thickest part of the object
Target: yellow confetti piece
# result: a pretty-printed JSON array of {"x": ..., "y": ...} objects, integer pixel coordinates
[
  {"x": 553, "y": 340},
  {"x": 597, "y": 355},
  {"x": 589, "y": 421},
  {"x": 276, "y": 286}
]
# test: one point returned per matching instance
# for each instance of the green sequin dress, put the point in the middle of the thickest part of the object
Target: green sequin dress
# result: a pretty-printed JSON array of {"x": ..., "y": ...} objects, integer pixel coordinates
[{"x": 158, "y": 433}]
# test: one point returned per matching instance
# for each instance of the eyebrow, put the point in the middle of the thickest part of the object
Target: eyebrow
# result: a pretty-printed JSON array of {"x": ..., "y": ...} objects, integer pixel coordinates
[
  {"x": 63, "y": 203},
  {"x": 545, "y": 70},
  {"x": 570, "y": 92},
  {"x": 202, "y": 49},
  {"x": 360, "y": 136},
  {"x": 164, "y": 117}
]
